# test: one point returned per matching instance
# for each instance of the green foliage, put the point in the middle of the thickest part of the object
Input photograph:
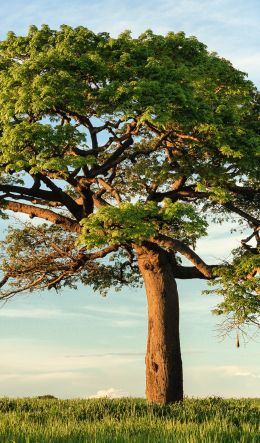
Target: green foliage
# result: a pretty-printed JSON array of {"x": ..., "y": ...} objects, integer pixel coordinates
[
  {"x": 129, "y": 420},
  {"x": 138, "y": 222},
  {"x": 239, "y": 284},
  {"x": 164, "y": 80},
  {"x": 171, "y": 81},
  {"x": 68, "y": 99},
  {"x": 39, "y": 146}
]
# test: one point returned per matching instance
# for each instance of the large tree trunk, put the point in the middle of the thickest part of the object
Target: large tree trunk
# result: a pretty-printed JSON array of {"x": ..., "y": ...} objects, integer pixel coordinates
[{"x": 164, "y": 379}]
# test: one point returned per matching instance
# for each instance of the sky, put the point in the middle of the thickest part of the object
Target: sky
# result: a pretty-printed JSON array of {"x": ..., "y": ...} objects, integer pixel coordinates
[{"x": 80, "y": 344}]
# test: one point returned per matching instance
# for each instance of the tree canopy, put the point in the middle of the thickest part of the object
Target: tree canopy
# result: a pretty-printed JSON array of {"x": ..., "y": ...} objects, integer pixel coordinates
[{"x": 122, "y": 142}]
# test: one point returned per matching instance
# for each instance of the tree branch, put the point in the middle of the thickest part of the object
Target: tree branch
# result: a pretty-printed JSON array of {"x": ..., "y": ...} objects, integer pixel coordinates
[
  {"x": 254, "y": 221},
  {"x": 175, "y": 195},
  {"x": 4, "y": 280},
  {"x": 10, "y": 293},
  {"x": 190, "y": 272},
  {"x": 243, "y": 190},
  {"x": 110, "y": 189},
  {"x": 33, "y": 211},
  {"x": 22, "y": 191},
  {"x": 68, "y": 201},
  {"x": 113, "y": 160},
  {"x": 187, "y": 252}
]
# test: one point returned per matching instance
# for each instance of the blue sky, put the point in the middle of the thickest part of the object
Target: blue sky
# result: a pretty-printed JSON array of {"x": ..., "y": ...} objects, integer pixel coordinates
[{"x": 78, "y": 344}]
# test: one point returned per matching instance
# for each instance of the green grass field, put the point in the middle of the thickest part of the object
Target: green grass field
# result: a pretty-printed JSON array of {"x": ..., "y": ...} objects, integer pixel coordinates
[{"x": 129, "y": 420}]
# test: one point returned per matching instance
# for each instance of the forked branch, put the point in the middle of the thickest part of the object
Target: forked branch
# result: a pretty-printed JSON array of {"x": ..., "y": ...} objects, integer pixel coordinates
[{"x": 186, "y": 251}]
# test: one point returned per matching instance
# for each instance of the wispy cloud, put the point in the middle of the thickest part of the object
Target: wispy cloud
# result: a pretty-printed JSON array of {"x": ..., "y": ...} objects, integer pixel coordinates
[
  {"x": 41, "y": 376},
  {"x": 34, "y": 360},
  {"x": 108, "y": 354},
  {"x": 35, "y": 313},
  {"x": 120, "y": 311},
  {"x": 128, "y": 319}
]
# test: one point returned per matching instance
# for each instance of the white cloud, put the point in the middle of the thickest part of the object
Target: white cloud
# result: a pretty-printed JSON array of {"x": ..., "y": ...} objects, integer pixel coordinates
[{"x": 110, "y": 393}]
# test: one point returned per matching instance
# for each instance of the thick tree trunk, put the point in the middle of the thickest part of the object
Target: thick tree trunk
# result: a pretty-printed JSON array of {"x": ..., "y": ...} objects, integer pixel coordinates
[{"x": 164, "y": 379}]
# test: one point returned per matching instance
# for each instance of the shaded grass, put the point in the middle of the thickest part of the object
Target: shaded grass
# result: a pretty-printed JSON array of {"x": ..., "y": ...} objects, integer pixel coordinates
[{"x": 129, "y": 420}]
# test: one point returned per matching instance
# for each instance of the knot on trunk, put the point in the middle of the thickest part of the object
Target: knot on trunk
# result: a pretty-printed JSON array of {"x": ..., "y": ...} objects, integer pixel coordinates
[{"x": 149, "y": 266}]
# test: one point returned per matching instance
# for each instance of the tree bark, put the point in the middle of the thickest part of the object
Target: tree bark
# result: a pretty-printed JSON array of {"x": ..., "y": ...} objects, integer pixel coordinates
[{"x": 164, "y": 378}]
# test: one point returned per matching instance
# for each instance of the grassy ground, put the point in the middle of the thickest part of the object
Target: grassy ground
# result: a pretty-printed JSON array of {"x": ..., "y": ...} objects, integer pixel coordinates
[{"x": 129, "y": 420}]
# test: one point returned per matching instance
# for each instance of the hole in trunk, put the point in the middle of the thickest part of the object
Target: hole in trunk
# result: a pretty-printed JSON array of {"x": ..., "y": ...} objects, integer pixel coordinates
[
  {"x": 148, "y": 266},
  {"x": 155, "y": 366}
]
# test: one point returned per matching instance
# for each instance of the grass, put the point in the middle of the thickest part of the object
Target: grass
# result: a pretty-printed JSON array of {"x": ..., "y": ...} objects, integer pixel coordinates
[{"x": 129, "y": 420}]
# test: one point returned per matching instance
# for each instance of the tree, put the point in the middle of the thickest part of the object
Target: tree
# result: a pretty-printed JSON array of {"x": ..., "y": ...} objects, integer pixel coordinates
[{"x": 127, "y": 148}]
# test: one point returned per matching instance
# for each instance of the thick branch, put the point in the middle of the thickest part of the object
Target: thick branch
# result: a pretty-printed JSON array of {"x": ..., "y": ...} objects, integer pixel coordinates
[
  {"x": 46, "y": 214},
  {"x": 68, "y": 201},
  {"x": 114, "y": 159},
  {"x": 254, "y": 234},
  {"x": 243, "y": 190},
  {"x": 175, "y": 195},
  {"x": 23, "y": 191},
  {"x": 4, "y": 280},
  {"x": 55, "y": 195},
  {"x": 35, "y": 201},
  {"x": 102, "y": 253},
  {"x": 83, "y": 120},
  {"x": 183, "y": 249},
  {"x": 110, "y": 189},
  {"x": 178, "y": 184},
  {"x": 190, "y": 272}
]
